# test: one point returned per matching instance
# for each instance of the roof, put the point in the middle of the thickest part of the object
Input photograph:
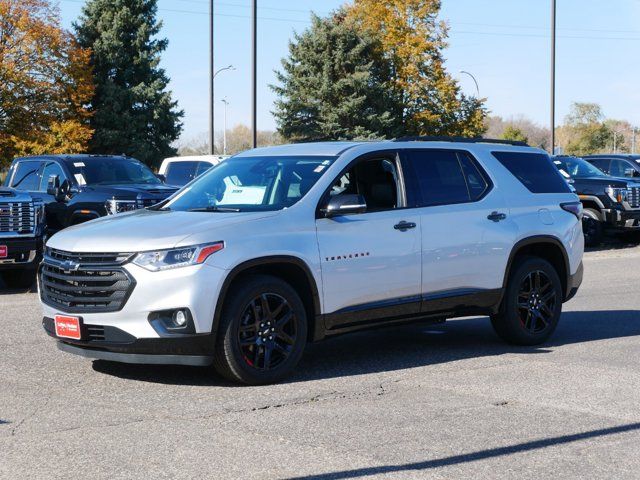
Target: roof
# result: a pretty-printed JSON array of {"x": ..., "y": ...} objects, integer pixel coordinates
[
  {"x": 72, "y": 157},
  {"x": 613, "y": 155},
  {"x": 325, "y": 149},
  {"x": 197, "y": 158}
]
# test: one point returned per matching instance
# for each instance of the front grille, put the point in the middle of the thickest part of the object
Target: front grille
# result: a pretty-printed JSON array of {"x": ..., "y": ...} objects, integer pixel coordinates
[
  {"x": 85, "y": 282},
  {"x": 634, "y": 197},
  {"x": 17, "y": 217}
]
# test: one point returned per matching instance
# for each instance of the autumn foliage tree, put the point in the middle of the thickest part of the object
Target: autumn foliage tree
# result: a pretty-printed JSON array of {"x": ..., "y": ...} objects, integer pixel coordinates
[
  {"x": 413, "y": 40},
  {"x": 45, "y": 82}
]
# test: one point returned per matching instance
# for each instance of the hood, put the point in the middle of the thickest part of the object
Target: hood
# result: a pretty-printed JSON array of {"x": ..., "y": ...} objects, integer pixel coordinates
[
  {"x": 132, "y": 191},
  {"x": 596, "y": 185},
  {"x": 145, "y": 230}
]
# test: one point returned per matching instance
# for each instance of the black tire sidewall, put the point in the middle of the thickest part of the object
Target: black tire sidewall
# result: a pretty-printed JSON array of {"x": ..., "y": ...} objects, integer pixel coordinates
[
  {"x": 228, "y": 357},
  {"x": 507, "y": 323},
  {"x": 596, "y": 238}
]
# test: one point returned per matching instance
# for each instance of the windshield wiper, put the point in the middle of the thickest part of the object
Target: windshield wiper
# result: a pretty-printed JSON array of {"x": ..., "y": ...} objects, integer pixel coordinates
[{"x": 214, "y": 208}]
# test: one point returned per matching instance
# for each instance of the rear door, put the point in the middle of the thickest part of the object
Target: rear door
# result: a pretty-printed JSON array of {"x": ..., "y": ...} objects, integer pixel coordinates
[{"x": 466, "y": 232}]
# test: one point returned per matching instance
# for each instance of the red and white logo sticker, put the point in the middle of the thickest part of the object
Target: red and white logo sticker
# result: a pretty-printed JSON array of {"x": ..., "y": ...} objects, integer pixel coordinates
[{"x": 68, "y": 327}]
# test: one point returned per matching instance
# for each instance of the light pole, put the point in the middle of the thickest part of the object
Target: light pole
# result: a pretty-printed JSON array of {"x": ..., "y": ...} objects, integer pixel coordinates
[
  {"x": 254, "y": 72},
  {"x": 474, "y": 81},
  {"x": 553, "y": 76},
  {"x": 633, "y": 140},
  {"x": 211, "y": 76},
  {"x": 214, "y": 74},
  {"x": 224, "y": 134}
]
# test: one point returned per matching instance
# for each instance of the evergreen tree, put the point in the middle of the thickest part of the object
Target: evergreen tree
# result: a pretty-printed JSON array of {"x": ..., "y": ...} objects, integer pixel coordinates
[
  {"x": 333, "y": 86},
  {"x": 514, "y": 133},
  {"x": 133, "y": 112}
]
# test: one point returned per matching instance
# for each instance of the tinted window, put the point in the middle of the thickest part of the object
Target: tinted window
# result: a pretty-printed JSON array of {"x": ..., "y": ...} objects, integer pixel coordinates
[
  {"x": 620, "y": 167},
  {"x": 535, "y": 171},
  {"x": 111, "y": 171},
  {"x": 51, "y": 169},
  {"x": 181, "y": 173},
  {"x": 446, "y": 177},
  {"x": 26, "y": 176},
  {"x": 601, "y": 163},
  {"x": 572, "y": 167}
]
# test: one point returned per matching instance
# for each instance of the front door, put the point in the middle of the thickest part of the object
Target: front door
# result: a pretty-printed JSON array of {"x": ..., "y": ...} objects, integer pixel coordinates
[{"x": 371, "y": 262}]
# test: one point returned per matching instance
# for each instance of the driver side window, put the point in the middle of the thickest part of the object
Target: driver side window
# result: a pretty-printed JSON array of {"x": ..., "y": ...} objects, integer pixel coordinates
[
  {"x": 377, "y": 180},
  {"x": 51, "y": 169}
]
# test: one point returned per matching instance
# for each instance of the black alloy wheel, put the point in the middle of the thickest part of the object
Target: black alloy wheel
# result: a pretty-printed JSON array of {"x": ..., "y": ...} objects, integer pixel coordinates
[
  {"x": 262, "y": 331},
  {"x": 532, "y": 302},
  {"x": 536, "y": 302},
  {"x": 268, "y": 331}
]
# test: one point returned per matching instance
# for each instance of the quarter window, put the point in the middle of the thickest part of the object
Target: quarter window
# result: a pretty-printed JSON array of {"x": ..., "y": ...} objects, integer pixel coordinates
[
  {"x": 619, "y": 168},
  {"x": 535, "y": 171}
]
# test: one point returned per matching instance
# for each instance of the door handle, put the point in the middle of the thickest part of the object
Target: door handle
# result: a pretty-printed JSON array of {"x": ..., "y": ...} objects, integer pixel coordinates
[
  {"x": 497, "y": 216},
  {"x": 404, "y": 226}
]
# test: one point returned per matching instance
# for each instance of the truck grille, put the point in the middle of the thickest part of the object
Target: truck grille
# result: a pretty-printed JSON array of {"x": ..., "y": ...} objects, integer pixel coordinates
[
  {"x": 85, "y": 282},
  {"x": 17, "y": 217},
  {"x": 148, "y": 202},
  {"x": 634, "y": 197}
]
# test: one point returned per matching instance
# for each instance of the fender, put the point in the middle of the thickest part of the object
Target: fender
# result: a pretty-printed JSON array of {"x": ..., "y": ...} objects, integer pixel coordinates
[
  {"x": 594, "y": 199},
  {"x": 537, "y": 240},
  {"x": 318, "y": 331},
  {"x": 82, "y": 215}
]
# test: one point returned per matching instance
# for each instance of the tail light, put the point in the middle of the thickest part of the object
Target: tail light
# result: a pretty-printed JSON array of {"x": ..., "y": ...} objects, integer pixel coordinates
[{"x": 573, "y": 207}]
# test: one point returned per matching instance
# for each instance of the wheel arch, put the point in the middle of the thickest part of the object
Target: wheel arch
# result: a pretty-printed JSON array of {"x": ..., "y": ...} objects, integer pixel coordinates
[
  {"x": 547, "y": 247},
  {"x": 291, "y": 269}
]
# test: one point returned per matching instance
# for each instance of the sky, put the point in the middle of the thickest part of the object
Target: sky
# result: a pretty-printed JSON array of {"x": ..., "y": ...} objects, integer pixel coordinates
[{"x": 505, "y": 44}]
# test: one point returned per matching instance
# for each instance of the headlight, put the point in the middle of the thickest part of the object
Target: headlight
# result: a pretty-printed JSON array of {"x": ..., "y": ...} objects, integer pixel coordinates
[
  {"x": 618, "y": 195},
  {"x": 176, "y": 257},
  {"x": 114, "y": 206}
]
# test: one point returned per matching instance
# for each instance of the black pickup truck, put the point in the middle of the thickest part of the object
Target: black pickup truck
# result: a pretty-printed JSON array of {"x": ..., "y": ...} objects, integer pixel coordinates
[
  {"x": 21, "y": 237},
  {"x": 608, "y": 201},
  {"x": 78, "y": 188}
]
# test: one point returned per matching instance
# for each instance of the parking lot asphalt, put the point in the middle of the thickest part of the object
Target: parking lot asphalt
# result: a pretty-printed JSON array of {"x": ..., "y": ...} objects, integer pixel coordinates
[{"x": 445, "y": 401}]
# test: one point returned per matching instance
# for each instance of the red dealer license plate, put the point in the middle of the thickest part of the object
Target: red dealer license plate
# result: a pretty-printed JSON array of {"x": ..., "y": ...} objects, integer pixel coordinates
[
  {"x": 67, "y": 327},
  {"x": 4, "y": 251}
]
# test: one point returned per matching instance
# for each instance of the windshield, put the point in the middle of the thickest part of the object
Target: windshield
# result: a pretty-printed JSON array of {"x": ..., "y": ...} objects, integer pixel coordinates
[
  {"x": 577, "y": 168},
  {"x": 249, "y": 184},
  {"x": 111, "y": 171}
]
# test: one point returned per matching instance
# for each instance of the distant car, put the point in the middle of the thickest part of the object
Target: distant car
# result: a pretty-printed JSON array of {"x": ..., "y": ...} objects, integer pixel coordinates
[
  {"x": 608, "y": 201},
  {"x": 179, "y": 171},
  {"x": 617, "y": 165}
]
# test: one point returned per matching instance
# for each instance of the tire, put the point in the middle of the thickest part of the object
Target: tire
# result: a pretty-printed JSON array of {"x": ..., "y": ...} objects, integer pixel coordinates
[
  {"x": 529, "y": 316},
  {"x": 246, "y": 333},
  {"x": 592, "y": 227},
  {"x": 20, "y": 279}
]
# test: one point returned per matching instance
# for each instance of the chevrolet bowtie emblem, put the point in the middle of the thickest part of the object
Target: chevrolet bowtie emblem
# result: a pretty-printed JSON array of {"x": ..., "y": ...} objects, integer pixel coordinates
[{"x": 69, "y": 266}]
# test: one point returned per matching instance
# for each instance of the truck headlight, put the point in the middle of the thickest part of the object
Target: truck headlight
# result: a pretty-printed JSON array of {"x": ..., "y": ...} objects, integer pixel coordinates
[
  {"x": 176, "y": 257},
  {"x": 618, "y": 195},
  {"x": 114, "y": 206}
]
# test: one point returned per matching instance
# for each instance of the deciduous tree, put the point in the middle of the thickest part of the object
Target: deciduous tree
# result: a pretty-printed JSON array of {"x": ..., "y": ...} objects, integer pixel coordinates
[{"x": 45, "y": 82}]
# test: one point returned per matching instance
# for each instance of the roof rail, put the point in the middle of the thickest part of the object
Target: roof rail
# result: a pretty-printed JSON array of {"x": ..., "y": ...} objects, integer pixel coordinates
[{"x": 516, "y": 143}]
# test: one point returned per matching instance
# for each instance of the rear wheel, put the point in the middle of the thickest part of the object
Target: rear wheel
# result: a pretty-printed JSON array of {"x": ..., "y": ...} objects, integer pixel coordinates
[
  {"x": 592, "y": 227},
  {"x": 532, "y": 303},
  {"x": 262, "y": 333},
  {"x": 20, "y": 279}
]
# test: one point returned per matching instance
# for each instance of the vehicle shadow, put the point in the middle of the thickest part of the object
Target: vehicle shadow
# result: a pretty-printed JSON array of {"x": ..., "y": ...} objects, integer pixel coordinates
[
  {"x": 399, "y": 348},
  {"x": 617, "y": 241}
]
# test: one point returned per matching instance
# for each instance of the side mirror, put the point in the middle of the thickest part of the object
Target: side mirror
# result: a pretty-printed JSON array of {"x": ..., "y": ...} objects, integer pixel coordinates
[
  {"x": 630, "y": 172},
  {"x": 53, "y": 186},
  {"x": 161, "y": 177},
  {"x": 345, "y": 204}
]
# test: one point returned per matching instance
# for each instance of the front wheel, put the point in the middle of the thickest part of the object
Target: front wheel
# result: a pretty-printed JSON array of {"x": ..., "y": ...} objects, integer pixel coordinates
[
  {"x": 532, "y": 303},
  {"x": 262, "y": 332},
  {"x": 592, "y": 227}
]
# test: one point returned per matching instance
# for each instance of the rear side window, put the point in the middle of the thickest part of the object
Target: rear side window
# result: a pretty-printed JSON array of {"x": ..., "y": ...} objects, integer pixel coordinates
[
  {"x": 447, "y": 177},
  {"x": 535, "y": 171},
  {"x": 26, "y": 176},
  {"x": 181, "y": 173}
]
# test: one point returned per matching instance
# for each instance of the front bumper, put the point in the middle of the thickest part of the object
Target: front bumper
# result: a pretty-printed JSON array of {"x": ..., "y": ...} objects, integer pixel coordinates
[
  {"x": 110, "y": 343},
  {"x": 622, "y": 218},
  {"x": 21, "y": 252}
]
